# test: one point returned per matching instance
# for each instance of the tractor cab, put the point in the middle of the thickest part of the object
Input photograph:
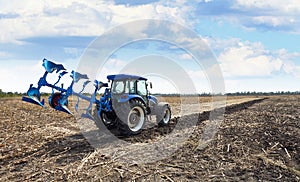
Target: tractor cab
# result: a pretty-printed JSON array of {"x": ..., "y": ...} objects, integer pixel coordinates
[{"x": 126, "y": 87}]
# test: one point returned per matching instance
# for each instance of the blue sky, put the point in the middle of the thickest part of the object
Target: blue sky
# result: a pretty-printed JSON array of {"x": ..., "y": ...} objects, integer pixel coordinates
[{"x": 256, "y": 43}]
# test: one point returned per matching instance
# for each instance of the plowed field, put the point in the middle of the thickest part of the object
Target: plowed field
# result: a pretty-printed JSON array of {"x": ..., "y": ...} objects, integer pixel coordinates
[{"x": 258, "y": 140}]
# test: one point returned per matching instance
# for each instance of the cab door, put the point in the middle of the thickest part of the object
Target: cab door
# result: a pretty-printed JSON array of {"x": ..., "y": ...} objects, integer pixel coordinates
[{"x": 142, "y": 90}]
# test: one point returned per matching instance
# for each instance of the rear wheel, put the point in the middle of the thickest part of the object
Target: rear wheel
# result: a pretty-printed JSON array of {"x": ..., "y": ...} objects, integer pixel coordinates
[
  {"x": 136, "y": 117},
  {"x": 133, "y": 120}
]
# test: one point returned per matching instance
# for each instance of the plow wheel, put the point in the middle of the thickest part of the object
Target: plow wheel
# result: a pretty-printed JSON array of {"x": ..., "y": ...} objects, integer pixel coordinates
[{"x": 55, "y": 100}]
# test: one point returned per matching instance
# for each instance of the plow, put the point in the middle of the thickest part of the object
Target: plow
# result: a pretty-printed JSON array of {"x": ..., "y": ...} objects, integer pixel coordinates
[{"x": 125, "y": 105}]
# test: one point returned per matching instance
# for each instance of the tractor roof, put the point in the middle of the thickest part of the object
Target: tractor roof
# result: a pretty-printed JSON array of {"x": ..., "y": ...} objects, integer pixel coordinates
[{"x": 125, "y": 77}]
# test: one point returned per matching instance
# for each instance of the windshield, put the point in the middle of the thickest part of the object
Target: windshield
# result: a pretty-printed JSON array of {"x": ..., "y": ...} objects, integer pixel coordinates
[
  {"x": 118, "y": 87},
  {"x": 129, "y": 87}
]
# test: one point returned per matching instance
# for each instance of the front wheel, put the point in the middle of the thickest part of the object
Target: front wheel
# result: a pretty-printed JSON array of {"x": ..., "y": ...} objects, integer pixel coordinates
[
  {"x": 108, "y": 119},
  {"x": 164, "y": 117}
]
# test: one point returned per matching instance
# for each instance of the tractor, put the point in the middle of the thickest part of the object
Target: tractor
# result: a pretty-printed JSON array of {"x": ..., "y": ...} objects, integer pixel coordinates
[
  {"x": 129, "y": 104},
  {"x": 124, "y": 106}
]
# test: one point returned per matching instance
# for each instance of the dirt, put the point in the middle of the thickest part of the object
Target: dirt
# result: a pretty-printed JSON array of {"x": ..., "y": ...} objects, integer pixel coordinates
[{"x": 257, "y": 141}]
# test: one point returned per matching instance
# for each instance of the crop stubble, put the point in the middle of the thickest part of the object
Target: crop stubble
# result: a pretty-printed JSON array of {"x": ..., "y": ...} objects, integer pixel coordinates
[{"x": 258, "y": 140}]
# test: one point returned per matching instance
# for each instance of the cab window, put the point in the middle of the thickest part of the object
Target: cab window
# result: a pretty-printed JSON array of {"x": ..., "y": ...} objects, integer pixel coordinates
[
  {"x": 118, "y": 87},
  {"x": 131, "y": 86},
  {"x": 141, "y": 87}
]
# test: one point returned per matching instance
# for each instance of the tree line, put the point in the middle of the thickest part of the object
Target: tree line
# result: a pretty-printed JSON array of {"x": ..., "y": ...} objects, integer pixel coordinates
[
  {"x": 264, "y": 93},
  {"x": 16, "y": 94},
  {"x": 233, "y": 94}
]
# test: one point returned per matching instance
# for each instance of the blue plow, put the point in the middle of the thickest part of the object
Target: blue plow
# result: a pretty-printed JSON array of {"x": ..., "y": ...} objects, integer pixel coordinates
[
  {"x": 34, "y": 101},
  {"x": 59, "y": 99}
]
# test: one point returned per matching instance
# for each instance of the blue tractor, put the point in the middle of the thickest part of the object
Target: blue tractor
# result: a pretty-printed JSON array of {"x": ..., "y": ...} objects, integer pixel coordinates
[
  {"x": 124, "y": 106},
  {"x": 129, "y": 104}
]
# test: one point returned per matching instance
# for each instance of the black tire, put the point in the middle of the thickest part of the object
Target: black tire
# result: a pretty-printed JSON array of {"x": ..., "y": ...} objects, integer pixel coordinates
[
  {"x": 97, "y": 119},
  {"x": 102, "y": 125},
  {"x": 132, "y": 117},
  {"x": 164, "y": 116},
  {"x": 109, "y": 120},
  {"x": 55, "y": 100}
]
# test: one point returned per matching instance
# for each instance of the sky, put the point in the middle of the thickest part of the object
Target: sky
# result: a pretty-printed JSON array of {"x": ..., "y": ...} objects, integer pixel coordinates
[{"x": 255, "y": 43}]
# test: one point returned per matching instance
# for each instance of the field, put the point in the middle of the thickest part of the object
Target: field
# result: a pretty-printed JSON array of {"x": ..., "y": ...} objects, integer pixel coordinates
[{"x": 258, "y": 140}]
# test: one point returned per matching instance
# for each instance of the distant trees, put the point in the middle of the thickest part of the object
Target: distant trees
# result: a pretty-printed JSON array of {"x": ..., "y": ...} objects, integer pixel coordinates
[
  {"x": 15, "y": 94},
  {"x": 9, "y": 94},
  {"x": 263, "y": 93},
  {"x": 234, "y": 94},
  {"x": 2, "y": 94}
]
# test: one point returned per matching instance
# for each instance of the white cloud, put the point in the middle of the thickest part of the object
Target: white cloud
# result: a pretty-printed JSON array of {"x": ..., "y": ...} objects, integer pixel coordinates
[
  {"x": 245, "y": 59},
  {"x": 49, "y": 18},
  {"x": 276, "y": 14},
  {"x": 290, "y": 68},
  {"x": 113, "y": 63},
  {"x": 80, "y": 18},
  {"x": 217, "y": 44},
  {"x": 123, "y": 13},
  {"x": 200, "y": 81},
  {"x": 17, "y": 76},
  {"x": 112, "y": 66},
  {"x": 248, "y": 60},
  {"x": 91, "y": 18},
  {"x": 250, "y": 66},
  {"x": 186, "y": 56},
  {"x": 14, "y": 77},
  {"x": 287, "y": 6},
  {"x": 272, "y": 20},
  {"x": 73, "y": 51}
]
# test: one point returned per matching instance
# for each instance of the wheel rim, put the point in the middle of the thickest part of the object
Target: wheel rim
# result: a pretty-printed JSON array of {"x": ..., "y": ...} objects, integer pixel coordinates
[
  {"x": 55, "y": 100},
  {"x": 167, "y": 115},
  {"x": 136, "y": 119}
]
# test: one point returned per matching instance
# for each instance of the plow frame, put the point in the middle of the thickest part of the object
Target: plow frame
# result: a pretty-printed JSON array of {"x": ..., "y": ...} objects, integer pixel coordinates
[{"x": 61, "y": 99}]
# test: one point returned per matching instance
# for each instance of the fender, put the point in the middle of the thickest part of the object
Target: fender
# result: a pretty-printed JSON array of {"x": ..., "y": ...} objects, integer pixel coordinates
[
  {"x": 128, "y": 97},
  {"x": 153, "y": 99},
  {"x": 158, "y": 108}
]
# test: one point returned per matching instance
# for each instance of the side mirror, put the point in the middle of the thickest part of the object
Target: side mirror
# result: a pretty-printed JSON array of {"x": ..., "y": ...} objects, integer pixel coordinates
[
  {"x": 150, "y": 84},
  {"x": 100, "y": 84}
]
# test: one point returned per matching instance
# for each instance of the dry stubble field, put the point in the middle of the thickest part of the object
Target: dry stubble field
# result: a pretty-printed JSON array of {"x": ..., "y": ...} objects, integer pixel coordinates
[{"x": 257, "y": 141}]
